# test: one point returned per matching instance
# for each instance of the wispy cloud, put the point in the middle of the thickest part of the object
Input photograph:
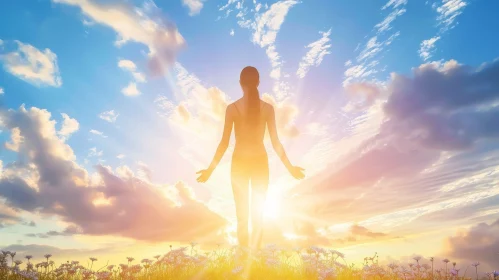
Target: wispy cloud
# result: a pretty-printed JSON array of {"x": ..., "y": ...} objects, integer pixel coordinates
[
  {"x": 96, "y": 132},
  {"x": 265, "y": 26},
  {"x": 194, "y": 6},
  {"x": 2, "y": 91},
  {"x": 109, "y": 116},
  {"x": 448, "y": 11},
  {"x": 130, "y": 66},
  {"x": 33, "y": 65},
  {"x": 366, "y": 62},
  {"x": 144, "y": 25},
  {"x": 318, "y": 50}
]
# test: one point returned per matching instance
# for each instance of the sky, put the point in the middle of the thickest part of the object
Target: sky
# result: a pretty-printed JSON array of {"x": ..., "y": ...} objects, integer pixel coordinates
[{"x": 108, "y": 108}]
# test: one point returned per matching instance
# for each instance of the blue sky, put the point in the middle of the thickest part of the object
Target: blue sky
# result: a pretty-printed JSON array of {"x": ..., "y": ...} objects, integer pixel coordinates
[{"x": 374, "y": 98}]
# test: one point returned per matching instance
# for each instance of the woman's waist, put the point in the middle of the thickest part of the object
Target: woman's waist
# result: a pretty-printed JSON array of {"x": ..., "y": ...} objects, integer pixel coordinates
[{"x": 247, "y": 151}]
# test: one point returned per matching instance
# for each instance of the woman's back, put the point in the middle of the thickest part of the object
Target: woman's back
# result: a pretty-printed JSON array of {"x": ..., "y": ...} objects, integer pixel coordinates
[{"x": 249, "y": 129}]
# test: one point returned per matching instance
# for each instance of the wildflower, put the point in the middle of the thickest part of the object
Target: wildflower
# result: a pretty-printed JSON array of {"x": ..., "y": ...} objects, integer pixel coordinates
[
  {"x": 393, "y": 266},
  {"x": 93, "y": 259},
  {"x": 110, "y": 267},
  {"x": 29, "y": 257},
  {"x": 445, "y": 260},
  {"x": 103, "y": 275},
  {"x": 454, "y": 272},
  {"x": 18, "y": 262},
  {"x": 75, "y": 262},
  {"x": 454, "y": 264},
  {"x": 495, "y": 273},
  {"x": 426, "y": 266},
  {"x": 157, "y": 257},
  {"x": 130, "y": 259},
  {"x": 193, "y": 244},
  {"x": 475, "y": 264}
]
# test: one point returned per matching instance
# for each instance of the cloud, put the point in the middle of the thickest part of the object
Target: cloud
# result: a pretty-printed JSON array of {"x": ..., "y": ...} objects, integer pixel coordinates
[
  {"x": 96, "y": 132},
  {"x": 143, "y": 25},
  {"x": 427, "y": 47},
  {"x": 120, "y": 156},
  {"x": 445, "y": 106},
  {"x": 92, "y": 152},
  {"x": 131, "y": 90},
  {"x": 33, "y": 66},
  {"x": 435, "y": 142},
  {"x": 129, "y": 66},
  {"x": 447, "y": 12},
  {"x": 363, "y": 231},
  {"x": 265, "y": 26},
  {"x": 232, "y": 32},
  {"x": 114, "y": 205},
  {"x": 318, "y": 50},
  {"x": 194, "y": 6},
  {"x": 2, "y": 91},
  {"x": 109, "y": 116},
  {"x": 480, "y": 242},
  {"x": 69, "y": 126},
  {"x": 366, "y": 61}
]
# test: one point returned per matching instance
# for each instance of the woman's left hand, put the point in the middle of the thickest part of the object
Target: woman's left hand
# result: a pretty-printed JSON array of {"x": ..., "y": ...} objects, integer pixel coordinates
[{"x": 204, "y": 175}]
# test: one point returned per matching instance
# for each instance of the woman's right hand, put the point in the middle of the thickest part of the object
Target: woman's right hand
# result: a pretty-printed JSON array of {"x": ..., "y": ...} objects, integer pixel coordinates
[
  {"x": 297, "y": 172},
  {"x": 204, "y": 175}
]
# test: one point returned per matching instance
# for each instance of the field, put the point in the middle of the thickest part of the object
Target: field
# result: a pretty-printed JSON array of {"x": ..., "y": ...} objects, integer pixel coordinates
[{"x": 232, "y": 263}]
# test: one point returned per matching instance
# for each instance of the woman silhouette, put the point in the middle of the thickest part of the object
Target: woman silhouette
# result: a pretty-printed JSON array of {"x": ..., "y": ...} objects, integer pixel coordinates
[{"x": 249, "y": 115}]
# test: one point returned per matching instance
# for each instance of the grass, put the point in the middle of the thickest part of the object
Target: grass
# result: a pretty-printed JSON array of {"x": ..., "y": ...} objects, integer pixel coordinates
[{"x": 232, "y": 263}]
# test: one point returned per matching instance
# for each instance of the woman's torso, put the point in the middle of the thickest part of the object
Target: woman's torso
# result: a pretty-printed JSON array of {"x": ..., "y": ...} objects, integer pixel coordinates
[{"x": 249, "y": 130}]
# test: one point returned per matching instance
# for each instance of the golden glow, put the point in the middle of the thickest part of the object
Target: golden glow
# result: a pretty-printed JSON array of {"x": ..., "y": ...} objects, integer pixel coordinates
[{"x": 272, "y": 207}]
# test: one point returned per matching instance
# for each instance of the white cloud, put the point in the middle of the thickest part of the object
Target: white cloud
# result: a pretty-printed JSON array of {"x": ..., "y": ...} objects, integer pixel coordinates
[
  {"x": 34, "y": 66},
  {"x": 120, "y": 156},
  {"x": 318, "y": 50},
  {"x": 131, "y": 90},
  {"x": 427, "y": 48},
  {"x": 269, "y": 23},
  {"x": 127, "y": 64},
  {"x": 15, "y": 140},
  {"x": 265, "y": 26},
  {"x": 2, "y": 91},
  {"x": 366, "y": 60},
  {"x": 69, "y": 126},
  {"x": 109, "y": 116},
  {"x": 448, "y": 11},
  {"x": 96, "y": 132},
  {"x": 194, "y": 6},
  {"x": 143, "y": 25},
  {"x": 93, "y": 152},
  {"x": 231, "y": 32}
]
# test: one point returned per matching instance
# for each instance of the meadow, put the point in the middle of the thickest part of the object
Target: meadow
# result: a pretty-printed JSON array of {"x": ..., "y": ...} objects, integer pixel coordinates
[{"x": 270, "y": 262}]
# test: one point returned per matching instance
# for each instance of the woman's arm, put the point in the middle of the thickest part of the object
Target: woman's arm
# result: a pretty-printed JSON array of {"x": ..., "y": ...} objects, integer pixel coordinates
[
  {"x": 224, "y": 142},
  {"x": 276, "y": 143}
]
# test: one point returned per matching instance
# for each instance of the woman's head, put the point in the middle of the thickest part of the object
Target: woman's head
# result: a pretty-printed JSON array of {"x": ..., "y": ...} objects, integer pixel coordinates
[{"x": 250, "y": 78}]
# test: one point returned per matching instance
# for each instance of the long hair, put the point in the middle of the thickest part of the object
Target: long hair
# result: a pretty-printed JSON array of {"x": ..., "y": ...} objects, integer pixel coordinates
[{"x": 250, "y": 78}]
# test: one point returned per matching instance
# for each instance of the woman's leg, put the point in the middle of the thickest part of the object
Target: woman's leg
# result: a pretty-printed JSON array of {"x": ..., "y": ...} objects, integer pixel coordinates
[
  {"x": 240, "y": 189},
  {"x": 259, "y": 186}
]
